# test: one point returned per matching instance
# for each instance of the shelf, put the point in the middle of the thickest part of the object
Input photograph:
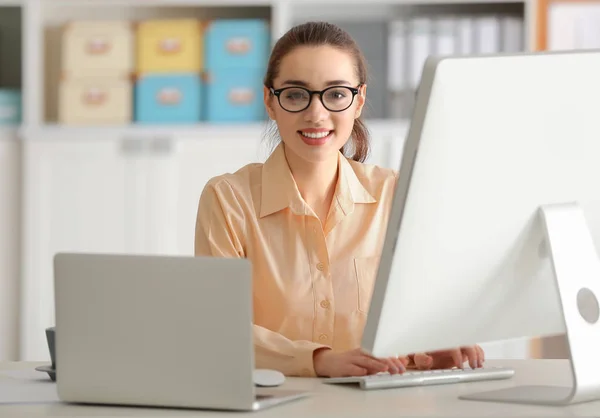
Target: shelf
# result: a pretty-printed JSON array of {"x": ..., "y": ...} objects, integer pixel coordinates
[
  {"x": 200, "y": 131},
  {"x": 384, "y": 11},
  {"x": 355, "y": 16},
  {"x": 158, "y": 3},
  {"x": 8, "y": 132},
  {"x": 243, "y": 3},
  {"x": 55, "y": 131},
  {"x": 54, "y": 15},
  {"x": 12, "y": 3},
  {"x": 392, "y": 3}
]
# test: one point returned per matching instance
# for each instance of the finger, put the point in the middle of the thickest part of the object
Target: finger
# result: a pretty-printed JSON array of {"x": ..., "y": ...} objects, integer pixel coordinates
[
  {"x": 472, "y": 356},
  {"x": 362, "y": 353},
  {"x": 395, "y": 366},
  {"x": 392, "y": 368},
  {"x": 423, "y": 361},
  {"x": 442, "y": 359},
  {"x": 480, "y": 355},
  {"x": 457, "y": 358},
  {"x": 372, "y": 366},
  {"x": 399, "y": 364},
  {"x": 354, "y": 370},
  {"x": 390, "y": 363},
  {"x": 405, "y": 360}
]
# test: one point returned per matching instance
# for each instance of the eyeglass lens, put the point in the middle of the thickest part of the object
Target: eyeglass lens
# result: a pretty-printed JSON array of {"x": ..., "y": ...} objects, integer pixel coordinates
[{"x": 335, "y": 99}]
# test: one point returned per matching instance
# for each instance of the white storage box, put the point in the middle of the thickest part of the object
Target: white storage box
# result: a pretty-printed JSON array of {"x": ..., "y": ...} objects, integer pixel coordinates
[
  {"x": 91, "y": 48},
  {"x": 95, "y": 101}
]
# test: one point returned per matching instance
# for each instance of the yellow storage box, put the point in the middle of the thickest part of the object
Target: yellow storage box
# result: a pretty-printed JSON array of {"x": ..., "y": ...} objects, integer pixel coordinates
[
  {"x": 95, "y": 101},
  {"x": 98, "y": 48},
  {"x": 169, "y": 46}
]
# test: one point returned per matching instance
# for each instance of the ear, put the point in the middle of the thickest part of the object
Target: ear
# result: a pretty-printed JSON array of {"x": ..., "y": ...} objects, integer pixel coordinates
[
  {"x": 361, "y": 98},
  {"x": 268, "y": 99}
]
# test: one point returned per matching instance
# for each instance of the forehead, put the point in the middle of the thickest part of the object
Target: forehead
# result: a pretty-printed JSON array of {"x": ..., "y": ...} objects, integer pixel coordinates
[{"x": 316, "y": 66}]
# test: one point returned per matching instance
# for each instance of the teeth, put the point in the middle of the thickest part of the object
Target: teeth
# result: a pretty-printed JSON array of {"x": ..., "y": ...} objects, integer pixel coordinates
[{"x": 316, "y": 135}]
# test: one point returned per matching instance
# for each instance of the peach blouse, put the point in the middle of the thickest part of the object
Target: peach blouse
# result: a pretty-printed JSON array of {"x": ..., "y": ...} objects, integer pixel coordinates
[{"x": 311, "y": 285}]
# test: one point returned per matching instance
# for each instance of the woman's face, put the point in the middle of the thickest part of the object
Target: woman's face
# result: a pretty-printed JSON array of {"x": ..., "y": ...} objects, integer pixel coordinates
[{"x": 316, "y": 133}]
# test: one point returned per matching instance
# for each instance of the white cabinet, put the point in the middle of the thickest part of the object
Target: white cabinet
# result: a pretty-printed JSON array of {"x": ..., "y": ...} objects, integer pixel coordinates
[
  {"x": 10, "y": 208},
  {"x": 168, "y": 178},
  {"x": 107, "y": 194},
  {"x": 179, "y": 176},
  {"x": 74, "y": 200},
  {"x": 387, "y": 143}
]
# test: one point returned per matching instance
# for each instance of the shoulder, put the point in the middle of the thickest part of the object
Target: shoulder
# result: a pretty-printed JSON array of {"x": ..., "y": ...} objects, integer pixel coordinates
[
  {"x": 240, "y": 185},
  {"x": 376, "y": 179}
]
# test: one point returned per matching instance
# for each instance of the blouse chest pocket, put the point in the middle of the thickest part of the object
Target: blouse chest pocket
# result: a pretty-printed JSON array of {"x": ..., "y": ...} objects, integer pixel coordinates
[{"x": 365, "y": 269}]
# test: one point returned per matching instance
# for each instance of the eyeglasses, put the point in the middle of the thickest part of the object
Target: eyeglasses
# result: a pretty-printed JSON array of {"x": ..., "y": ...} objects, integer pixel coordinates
[{"x": 297, "y": 99}]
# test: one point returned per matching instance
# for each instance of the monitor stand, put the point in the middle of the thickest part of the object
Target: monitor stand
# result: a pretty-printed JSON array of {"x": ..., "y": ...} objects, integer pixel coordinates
[{"x": 576, "y": 269}]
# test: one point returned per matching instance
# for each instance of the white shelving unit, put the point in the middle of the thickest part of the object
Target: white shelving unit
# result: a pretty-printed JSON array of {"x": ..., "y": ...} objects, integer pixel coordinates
[
  {"x": 10, "y": 237},
  {"x": 10, "y": 181},
  {"x": 135, "y": 188}
]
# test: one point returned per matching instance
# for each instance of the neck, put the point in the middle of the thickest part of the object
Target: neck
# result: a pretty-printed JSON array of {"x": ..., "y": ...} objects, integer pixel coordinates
[{"x": 316, "y": 181}]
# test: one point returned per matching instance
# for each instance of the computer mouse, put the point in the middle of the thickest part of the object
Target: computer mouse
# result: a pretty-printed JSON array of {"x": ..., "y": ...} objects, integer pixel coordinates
[{"x": 268, "y": 378}]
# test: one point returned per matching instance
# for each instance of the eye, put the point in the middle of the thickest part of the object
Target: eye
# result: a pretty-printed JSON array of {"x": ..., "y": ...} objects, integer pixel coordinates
[
  {"x": 295, "y": 94},
  {"x": 337, "y": 94}
]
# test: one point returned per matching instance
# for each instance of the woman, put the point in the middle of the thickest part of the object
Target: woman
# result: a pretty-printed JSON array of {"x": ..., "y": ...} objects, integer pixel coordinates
[{"x": 311, "y": 220}]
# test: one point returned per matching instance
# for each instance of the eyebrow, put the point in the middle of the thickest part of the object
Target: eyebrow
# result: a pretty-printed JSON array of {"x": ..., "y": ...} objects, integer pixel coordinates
[{"x": 305, "y": 84}]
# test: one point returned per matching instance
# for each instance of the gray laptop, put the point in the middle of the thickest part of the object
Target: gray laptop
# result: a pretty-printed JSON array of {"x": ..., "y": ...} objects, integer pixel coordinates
[{"x": 157, "y": 331}]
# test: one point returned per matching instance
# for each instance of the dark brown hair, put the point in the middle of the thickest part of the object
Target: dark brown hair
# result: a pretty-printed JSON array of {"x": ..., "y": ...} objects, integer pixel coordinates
[{"x": 318, "y": 34}]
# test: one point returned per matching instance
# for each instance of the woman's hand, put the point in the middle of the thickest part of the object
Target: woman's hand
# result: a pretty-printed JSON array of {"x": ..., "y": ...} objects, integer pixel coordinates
[
  {"x": 354, "y": 363},
  {"x": 446, "y": 359}
]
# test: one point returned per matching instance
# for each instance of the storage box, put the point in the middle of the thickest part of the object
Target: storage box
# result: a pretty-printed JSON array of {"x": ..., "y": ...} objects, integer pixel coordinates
[
  {"x": 168, "y": 46},
  {"x": 236, "y": 43},
  {"x": 10, "y": 107},
  {"x": 95, "y": 101},
  {"x": 234, "y": 95},
  {"x": 92, "y": 48},
  {"x": 168, "y": 99}
]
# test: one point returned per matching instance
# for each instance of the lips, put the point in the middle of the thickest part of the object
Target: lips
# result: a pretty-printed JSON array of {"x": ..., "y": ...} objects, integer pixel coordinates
[{"x": 315, "y": 136}]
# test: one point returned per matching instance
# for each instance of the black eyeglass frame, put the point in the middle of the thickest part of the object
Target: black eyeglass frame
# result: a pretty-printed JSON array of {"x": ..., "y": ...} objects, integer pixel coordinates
[{"x": 311, "y": 93}]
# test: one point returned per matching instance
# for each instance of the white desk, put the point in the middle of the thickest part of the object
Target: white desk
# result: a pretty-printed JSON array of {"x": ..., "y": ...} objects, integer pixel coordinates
[{"x": 338, "y": 401}]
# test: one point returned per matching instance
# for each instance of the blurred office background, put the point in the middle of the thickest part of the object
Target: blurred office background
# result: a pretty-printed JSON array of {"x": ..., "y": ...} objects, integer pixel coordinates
[{"x": 114, "y": 114}]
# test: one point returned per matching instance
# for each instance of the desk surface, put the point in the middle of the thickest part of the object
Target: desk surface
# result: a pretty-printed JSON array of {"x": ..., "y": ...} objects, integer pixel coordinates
[{"x": 330, "y": 401}]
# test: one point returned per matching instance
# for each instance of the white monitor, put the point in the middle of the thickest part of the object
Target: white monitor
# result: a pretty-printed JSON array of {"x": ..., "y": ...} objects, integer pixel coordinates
[{"x": 502, "y": 151}]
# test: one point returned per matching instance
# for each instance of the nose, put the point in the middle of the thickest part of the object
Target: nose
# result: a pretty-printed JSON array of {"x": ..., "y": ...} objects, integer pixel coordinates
[{"x": 316, "y": 112}]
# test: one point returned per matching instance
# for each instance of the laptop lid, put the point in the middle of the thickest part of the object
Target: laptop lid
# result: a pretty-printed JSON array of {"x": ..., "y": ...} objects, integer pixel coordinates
[{"x": 154, "y": 330}]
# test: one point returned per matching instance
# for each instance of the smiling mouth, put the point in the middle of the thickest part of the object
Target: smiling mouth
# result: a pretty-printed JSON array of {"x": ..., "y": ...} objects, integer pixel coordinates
[{"x": 315, "y": 135}]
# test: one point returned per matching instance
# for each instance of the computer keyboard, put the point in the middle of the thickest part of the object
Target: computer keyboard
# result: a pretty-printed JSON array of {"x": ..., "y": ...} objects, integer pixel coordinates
[{"x": 413, "y": 378}]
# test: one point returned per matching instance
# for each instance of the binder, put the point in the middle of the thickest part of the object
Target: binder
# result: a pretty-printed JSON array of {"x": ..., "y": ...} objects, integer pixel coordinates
[
  {"x": 445, "y": 40},
  {"x": 465, "y": 35},
  {"x": 420, "y": 32},
  {"x": 513, "y": 39},
  {"x": 488, "y": 34},
  {"x": 398, "y": 57}
]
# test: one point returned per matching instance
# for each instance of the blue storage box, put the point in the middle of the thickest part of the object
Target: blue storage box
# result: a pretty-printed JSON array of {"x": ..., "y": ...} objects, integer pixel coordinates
[
  {"x": 236, "y": 43},
  {"x": 234, "y": 95},
  {"x": 165, "y": 98},
  {"x": 10, "y": 107}
]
